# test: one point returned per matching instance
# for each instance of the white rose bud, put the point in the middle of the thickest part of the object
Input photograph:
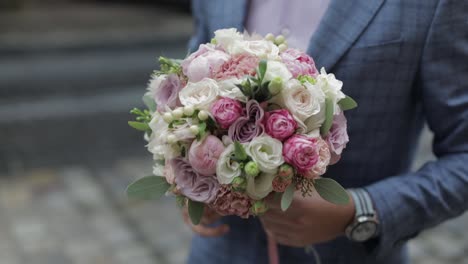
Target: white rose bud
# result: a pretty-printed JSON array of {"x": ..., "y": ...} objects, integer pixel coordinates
[
  {"x": 270, "y": 37},
  {"x": 189, "y": 110},
  {"x": 203, "y": 115},
  {"x": 279, "y": 40},
  {"x": 167, "y": 117},
  {"x": 171, "y": 139},
  {"x": 194, "y": 129},
  {"x": 275, "y": 86},
  {"x": 178, "y": 113},
  {"x": 282, "y": 47}
]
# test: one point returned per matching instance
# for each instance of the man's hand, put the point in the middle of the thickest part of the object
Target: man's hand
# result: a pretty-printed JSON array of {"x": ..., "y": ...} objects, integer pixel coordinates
[
  {"x": 309, "y": 220},
  {"x": 209, "y": 217}
]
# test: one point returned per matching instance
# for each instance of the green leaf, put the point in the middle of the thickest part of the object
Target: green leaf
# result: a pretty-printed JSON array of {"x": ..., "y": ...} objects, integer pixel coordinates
[
  {"x": 287, "y": 197},
  {"x": 201, "y": 130},
  {"x": 262, "y": 67},
  {"x": 239, "y": 151},
  {"x": 139, "y": 126},
  {"x": 147, "y": 188},
  {"x": 347, "y": 103},
  {"x": 149, "y": 102},
  {"x": 328, "y": 117},
  {"x": 331, "y": 191},
  {"x": 195, "y": 210}
]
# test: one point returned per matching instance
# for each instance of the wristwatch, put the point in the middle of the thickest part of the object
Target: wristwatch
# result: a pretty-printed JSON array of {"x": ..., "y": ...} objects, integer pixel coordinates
[{"x": 365, "y": 224}]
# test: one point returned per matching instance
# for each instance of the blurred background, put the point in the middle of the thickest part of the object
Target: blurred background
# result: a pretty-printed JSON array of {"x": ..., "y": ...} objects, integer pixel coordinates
[{"x": 70, "y": 70}]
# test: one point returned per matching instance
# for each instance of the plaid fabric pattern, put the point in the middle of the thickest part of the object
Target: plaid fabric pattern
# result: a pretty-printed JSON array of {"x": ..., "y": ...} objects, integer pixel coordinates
[{"x": 404, "y": 61}]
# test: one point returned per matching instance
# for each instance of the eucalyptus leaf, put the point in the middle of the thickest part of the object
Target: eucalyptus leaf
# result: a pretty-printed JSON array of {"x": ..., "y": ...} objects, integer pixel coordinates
[
  {"x": 329, "y": 107},
  {"x": 262, "y": 67},
  {"x": 287, "y": 197},
  {"x": 331, "y": 191},
  {"x": 347, "y": 103},
  {"x": 149, "y": 102},
  {"x": 147, "y": 188},
  {"x": 139, "y": 126},
  {"x": 201, "y": 130},
  {"x": 195, "y": 210}
]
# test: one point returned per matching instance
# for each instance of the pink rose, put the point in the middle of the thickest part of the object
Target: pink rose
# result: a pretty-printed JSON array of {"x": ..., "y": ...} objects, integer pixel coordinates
[
  {"x": 301, "y": 152},
  {"x": 226, "y": 111},
  {"x": 279, "y": 124},
  {"x": 237, "y": 67},
  {"x": 203, "y": 63},
  {"x": 337, "y": 138},
  {"x": 299, "y": 63},
  {"x": 203, "y": 155},
  {"x": 323, "y": 160}
]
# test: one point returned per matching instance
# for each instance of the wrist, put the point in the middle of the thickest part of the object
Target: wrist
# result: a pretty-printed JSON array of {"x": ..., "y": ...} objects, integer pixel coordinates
[{"x": 365, "y": 224}]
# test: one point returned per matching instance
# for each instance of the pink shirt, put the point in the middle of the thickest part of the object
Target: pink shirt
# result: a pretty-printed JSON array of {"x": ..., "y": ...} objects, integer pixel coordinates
[{"x": 297, "y": 20}]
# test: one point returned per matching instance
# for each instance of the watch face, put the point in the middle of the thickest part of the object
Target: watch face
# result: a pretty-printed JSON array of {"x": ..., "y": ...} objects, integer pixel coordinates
[{"x": 364, "y": 231}]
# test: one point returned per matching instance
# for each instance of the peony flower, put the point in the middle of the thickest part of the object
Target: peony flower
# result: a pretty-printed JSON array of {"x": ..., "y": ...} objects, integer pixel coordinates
[
  {"x": 266, "y": 152},
  {"x": 323, "y": 160},
  {"x": 238, "y": 66},
  {"x": 248, "y": 127},
  {"x": 226, "y": 168},
  {"x": 279, "y": 124},
  {"x": 232, "y": 203},
  {"x": 301, "y": 152},
  {"x": 226, "y": 37},
  {"x": 164, "y": 89},
  {"x": 299, "y": 63},
  {"x": 279, "y": 184},
  {"x": 203, "y": 63},
  {"x": 228, "y": 88},
  {"x": 200, "y": 95},
  {"x": 203, "y": 155},
  {"x": 260, "y": 48},
  {"x": 337, "y": 138},
  {"x": 193, "y": 185},
  {"x": 260, "y": 186},
  {"x": 276, "y": 69},
  {"x": 331, "y": 87},
  {"x": 226, "y": 111},
  {"x": 305, "y": 102}
]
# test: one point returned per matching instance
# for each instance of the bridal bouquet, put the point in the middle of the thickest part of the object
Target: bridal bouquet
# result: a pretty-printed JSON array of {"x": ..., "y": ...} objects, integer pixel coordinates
[{"x": 241, "y": 118}]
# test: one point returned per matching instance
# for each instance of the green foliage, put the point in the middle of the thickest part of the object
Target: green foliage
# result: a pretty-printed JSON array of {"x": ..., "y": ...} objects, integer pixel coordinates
[
  {"x": 239, "y": 152},
  {"x": 347, "y": 103},
  {"x": 331, "y": 191},
  {"x": 143, "y": 117},
  {"x": 147, "y": 188},
  {"x": 306, "y": 78},
  {"x": 201, "y": 130},
  {"x": 287, "y": 197},
  {"x": 255, "y": 87},
  {"x": 329, "y": 109},
  {"x": 195, "y": 210},
  {"x": 139, "y": 126},
  {"x": 149, "y": 102},
  {"x": 169, "y": 66}
]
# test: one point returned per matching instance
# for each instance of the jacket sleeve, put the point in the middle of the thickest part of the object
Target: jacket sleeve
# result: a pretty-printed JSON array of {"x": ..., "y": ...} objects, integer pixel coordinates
[
  {"x": 200, "y": 34},
  {"x": 409, "y": 203}
]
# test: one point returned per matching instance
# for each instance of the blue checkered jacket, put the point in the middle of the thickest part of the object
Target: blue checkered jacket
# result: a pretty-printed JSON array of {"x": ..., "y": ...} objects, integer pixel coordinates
[{"x": 405, "y": 62}]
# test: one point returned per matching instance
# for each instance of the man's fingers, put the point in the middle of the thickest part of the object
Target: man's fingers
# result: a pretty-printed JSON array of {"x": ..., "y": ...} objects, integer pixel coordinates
[{"x": 207, "y": 231}]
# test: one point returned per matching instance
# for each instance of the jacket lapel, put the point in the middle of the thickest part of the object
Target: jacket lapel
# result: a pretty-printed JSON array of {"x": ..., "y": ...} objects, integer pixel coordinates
[{"x": 342, "y": 24}]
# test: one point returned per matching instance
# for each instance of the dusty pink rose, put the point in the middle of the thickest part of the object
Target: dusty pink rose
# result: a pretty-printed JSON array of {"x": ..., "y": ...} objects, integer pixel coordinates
[
  {"x": 237, "y": 67},
  {"x": 165, "y": 91},
  {"x": 301, "y": 152},
  {"x": 337, "y": 138},
  {"x": 203, "y": 155},
  {"x": 248, "y": 127},
  {"x": 204, "y": 62},
  {"x": 299, "y": 63},
  {"x": 280, "y": 184},
  {"x": 226, "y": 111},
  {"x": 323, "y": 160},
  {"x": 232, "y": 203},
  {"x": 279, "y": 124}
]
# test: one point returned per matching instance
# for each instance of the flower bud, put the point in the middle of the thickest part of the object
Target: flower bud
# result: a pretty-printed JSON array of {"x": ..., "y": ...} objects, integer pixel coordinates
[
  {"x": 286, "y": 172},
  {"x": 270, "y": 37},
  {"x": 251, "y": 169},
  {"x": 194, "y": 130},
  {"x": 259, "y": 207},
  {"x": 275, "y": 86},
  {"x": 279, "y": 39},
  {"x": 239, "y": 184},
  {"x": 189, "y": 110},
  {"x": 203, "y": 115},
  {"x": 171, "y": 139},
  {"x": 178, "y": 113},
  {"x": 282, "y": 47},
  {"x": 168, "y": 117}
]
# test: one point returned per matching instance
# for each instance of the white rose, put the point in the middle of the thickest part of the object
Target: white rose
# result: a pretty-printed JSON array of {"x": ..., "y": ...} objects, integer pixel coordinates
[
  {"x": 227, "y": 169},
  {"x": 277, "y": 69},
  {"x": 267, "y": 152},
  {"x": 260, "y": 48},
  {"x": 228, "y": 88},
  {"x": 260, "y": 186},
  {"x": 200, "y": 95},
  {"x": 303, "y": 102},
  {"x": 331, "y": 87},
  {"x": 226, "y": 37}
]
